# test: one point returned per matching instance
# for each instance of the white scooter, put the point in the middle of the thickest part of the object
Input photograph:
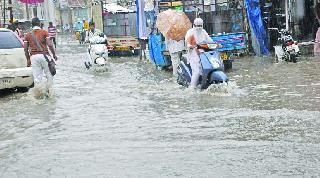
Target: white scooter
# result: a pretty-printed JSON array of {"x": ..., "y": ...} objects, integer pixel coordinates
[{"x": 97, "y": 54}]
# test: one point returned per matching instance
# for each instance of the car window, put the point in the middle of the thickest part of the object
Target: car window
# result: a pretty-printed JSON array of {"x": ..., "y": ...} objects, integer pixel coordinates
[{"x": 8, "y": 40}]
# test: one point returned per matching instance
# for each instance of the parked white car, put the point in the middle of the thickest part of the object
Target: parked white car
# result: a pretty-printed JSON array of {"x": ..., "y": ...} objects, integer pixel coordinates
[{"x": 14, "y": 72}]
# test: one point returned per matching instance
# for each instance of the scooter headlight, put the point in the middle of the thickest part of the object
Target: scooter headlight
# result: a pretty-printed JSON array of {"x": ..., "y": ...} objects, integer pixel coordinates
[
  {"x": 100, "y": 61},
  {"x": 213, "y": 46},
  {"x": 99, "y": 53}
]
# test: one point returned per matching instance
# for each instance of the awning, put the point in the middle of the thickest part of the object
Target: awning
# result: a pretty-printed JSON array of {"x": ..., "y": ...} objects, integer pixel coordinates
[
  {"x": 76, "y": 3},
  {"x": 114, "y": 8},
  {"x": 31, "y": 1}
]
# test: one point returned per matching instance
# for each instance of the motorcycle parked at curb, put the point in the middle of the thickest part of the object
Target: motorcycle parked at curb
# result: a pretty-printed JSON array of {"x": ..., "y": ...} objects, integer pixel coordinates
[
  {"x": 286, "y": 48},
  {"x": 213, "y": 71}
]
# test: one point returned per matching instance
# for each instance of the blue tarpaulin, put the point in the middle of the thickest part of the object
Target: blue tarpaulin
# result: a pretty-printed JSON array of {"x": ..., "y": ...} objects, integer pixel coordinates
[
  {"x": 155, "y": 48},
  {"x": 258, "y": 31},
  {"x": 230, "y": 41}
]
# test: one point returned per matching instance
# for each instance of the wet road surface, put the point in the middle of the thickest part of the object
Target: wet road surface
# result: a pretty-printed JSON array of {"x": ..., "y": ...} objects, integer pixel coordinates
[{"x": 134, "y": 121}]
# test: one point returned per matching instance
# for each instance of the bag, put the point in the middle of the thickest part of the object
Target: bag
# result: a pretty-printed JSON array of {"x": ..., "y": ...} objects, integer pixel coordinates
[{"x": 51, "y": 63}]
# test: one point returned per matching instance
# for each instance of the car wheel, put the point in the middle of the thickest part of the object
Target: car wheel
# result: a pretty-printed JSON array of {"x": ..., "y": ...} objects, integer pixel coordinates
[
  {"x": 32, "y": 85},
  {"x": 136, "y": 52}
]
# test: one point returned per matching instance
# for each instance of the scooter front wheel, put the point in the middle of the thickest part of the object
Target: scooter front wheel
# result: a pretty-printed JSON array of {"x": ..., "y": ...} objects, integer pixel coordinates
[
  {"x": 179, "y": 80},
  {"x": 182, "y": 81},
  {"x": 293, "y": 58}
]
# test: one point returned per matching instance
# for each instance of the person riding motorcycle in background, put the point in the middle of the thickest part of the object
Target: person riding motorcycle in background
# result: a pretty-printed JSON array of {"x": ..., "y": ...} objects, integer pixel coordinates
[
  {"x": 195, "y": 36},
  {"x": 78, "y": 28}
]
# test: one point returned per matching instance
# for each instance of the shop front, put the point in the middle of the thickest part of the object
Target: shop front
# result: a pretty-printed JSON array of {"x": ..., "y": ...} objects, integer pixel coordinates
[{"x": 297, "y": 16}]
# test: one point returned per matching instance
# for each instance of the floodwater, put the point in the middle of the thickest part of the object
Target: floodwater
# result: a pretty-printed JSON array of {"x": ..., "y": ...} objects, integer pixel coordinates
[{"x": 135, "y": 121}]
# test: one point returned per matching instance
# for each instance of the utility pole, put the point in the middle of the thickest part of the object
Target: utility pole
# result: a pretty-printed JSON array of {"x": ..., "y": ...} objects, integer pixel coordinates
[
  {"x": 287, "y": 14},
  {"x": 27, "y": 12},
  {"x": 102, "y": 16},
  {"x": 10, "y": 9},
  {"x": 60, "y": 12},
  {"x": 4, "y": 13},
  {"x": 91, "y": 12},
  {"x": 1, "y": 15}
]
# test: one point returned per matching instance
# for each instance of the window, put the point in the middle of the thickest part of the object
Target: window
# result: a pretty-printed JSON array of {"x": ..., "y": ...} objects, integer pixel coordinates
[
  {"x": 8, "y": 40},
  {"x": 111, "y": 22}
]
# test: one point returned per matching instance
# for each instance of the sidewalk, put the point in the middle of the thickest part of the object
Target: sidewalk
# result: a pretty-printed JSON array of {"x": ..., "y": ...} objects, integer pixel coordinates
[{"x": 306, "y": 48}]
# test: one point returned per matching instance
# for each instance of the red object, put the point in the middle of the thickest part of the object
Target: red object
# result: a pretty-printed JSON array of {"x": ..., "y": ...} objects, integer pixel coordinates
[
  {"x": 105, "y": 13},
  {"x": 110, "y": 47},
  {"x": 289, "y": 43}
]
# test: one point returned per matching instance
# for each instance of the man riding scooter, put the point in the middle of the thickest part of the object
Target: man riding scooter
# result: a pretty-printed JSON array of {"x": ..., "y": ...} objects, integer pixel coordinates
[
  {"x": 97, "y": 46},
  {"x": 196, "y": 35},
  {"x": 91, "y": 32}
]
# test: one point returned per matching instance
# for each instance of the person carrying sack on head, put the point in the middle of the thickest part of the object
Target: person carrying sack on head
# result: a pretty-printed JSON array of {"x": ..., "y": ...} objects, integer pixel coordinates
[{"x": 38, "y": 42}]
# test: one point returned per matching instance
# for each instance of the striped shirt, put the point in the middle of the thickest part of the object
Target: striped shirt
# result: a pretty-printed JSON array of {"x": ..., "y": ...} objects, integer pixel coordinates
[{"x": 52, "y": 31}]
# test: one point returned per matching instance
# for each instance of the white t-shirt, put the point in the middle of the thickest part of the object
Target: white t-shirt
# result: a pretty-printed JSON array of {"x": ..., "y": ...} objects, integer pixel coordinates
[
  {"x": 89, "y": 34},
  {"x": 174, "y": 46}
]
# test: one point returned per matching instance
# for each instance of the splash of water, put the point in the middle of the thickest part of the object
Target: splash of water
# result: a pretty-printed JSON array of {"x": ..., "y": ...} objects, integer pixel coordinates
[
  {"x": 100, "y": 69},
  {"x": 41, "y": 91},
  {"x": 225, "y": 88}
]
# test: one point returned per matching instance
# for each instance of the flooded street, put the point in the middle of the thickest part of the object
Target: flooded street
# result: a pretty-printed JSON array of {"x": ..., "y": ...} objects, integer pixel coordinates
[{"x": 135, "y": 121}]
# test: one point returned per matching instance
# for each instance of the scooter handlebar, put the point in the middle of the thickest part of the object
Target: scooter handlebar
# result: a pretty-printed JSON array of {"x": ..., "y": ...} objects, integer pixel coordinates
[{"x": 208, "y": 46}]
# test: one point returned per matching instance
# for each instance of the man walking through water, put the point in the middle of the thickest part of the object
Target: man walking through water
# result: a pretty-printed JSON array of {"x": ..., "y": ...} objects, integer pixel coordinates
[
  {"x": 36, "y": 51},
  {"x": 52, "y": 33}
]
